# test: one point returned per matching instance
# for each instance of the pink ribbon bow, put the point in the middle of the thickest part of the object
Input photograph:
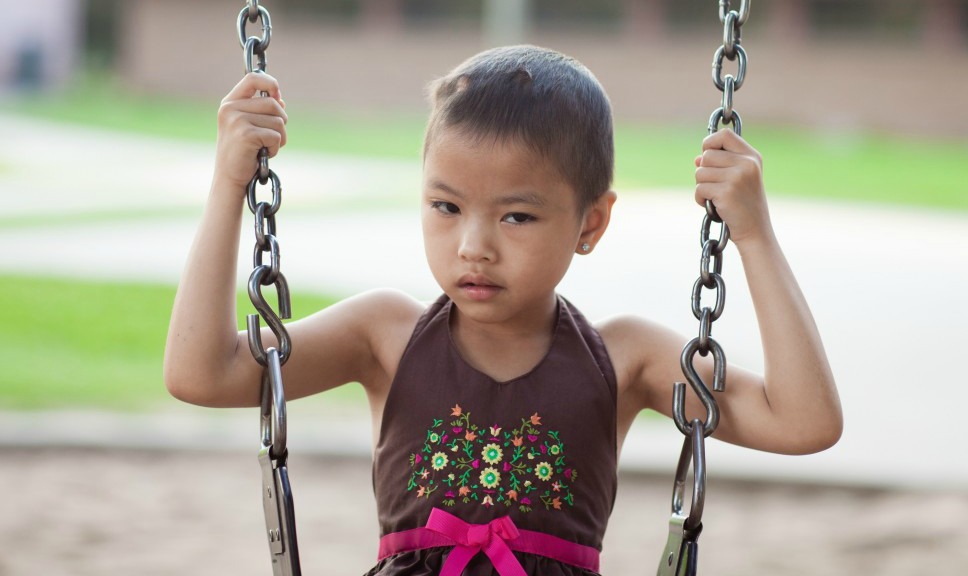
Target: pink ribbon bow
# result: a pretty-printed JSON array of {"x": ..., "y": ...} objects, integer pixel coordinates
[
  {"x": 491, "y": 539},
  {"x": 496, "y": 540}
]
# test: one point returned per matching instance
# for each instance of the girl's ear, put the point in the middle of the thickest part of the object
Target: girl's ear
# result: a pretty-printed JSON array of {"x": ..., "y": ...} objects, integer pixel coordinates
[{"x": 595, "y": 222}]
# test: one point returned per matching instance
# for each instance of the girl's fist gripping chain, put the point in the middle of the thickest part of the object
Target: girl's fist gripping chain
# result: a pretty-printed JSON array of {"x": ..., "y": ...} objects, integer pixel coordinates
[
  {"x": 248, "y": 122},
  {"x": 730, "y": 174}
]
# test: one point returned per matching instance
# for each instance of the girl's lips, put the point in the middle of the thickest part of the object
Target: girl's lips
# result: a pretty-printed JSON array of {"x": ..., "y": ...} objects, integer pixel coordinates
[{"x": 479, "y": 292}]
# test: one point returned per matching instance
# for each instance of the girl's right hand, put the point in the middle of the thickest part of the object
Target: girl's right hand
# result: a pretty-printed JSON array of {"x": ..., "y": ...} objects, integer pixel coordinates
[{"x": 248, "y": 122}]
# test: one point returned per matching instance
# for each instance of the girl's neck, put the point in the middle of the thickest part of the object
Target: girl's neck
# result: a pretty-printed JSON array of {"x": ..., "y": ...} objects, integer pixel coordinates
[{"x": 505, "y": 350}]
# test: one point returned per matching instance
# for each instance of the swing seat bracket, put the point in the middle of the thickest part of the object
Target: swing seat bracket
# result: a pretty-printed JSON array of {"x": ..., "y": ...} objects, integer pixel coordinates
[
  {"x": 280, "y": 517},
  {"x": 682, "y": 549}
]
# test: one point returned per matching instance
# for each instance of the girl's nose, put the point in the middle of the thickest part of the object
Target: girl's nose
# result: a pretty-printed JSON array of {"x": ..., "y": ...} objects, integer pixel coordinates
[{"x": 475, "y": 244}]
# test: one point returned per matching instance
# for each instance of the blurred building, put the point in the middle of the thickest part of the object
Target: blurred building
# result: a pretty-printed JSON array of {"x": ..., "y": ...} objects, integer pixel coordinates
[
  {"x": 844, "y": 64},
  {"x": 41, "y": 43}
]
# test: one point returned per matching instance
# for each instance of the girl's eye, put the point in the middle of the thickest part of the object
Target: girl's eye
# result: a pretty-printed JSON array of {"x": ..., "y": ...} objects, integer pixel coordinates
[
  {"x": 447, "y": 208},
  {"x": 518, "y": 218}
]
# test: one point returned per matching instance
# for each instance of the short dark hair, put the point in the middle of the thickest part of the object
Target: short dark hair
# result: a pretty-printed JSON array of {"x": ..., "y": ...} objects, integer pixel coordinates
[{"x": 548, "y": 101}]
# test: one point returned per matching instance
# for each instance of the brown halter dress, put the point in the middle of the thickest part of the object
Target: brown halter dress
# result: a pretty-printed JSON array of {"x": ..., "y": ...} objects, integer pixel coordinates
[{"x": 478, "y": 477}]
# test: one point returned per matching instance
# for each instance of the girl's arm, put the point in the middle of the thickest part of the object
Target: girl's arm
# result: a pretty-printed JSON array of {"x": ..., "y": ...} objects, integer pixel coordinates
[
  {"x": 207, "y": 361},
  {"x": 794, "y": 408}
]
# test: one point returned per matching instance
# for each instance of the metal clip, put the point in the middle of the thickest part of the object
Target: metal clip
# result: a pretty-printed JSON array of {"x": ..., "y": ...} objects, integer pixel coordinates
[
  {"x": 681, "y": 554},
  {"x": 277, "y": 502},
  {"x": 279, "y": 514},
  {"x": 272, "y": 425}
]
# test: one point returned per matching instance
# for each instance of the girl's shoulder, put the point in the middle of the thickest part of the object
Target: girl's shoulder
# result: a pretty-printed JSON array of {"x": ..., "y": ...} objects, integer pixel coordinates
[
  {"x": 641, "y": 352},
  {"x": 390, "y": 303},
  {"x": 388, "y": 315},
  {"x": 629, "y": 335},
  {"x": 369, "y": 331}
]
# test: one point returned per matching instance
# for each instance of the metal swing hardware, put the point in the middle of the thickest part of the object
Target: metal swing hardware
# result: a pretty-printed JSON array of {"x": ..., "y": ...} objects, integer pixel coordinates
[
  {"x": 681, "y": 554},
  {"x": 682, "y": 549},
  {"x": 277, "y": 502}
]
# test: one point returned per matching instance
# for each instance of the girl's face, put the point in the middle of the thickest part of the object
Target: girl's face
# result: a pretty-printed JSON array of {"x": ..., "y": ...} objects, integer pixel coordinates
[{"x": 500, "y": 228}]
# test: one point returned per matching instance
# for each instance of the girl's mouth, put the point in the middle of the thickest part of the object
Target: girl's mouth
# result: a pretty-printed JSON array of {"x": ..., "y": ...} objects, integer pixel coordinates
[{"x": 479, "y": 292}]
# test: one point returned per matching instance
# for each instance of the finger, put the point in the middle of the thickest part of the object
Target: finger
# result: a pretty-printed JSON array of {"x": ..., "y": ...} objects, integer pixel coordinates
[
  {"x": 717, "y": 159},
  {"x": 264, "y": 122},
  {"x": 711, "y": 191},
  {"x": 253, "y": 83},
  {"x": 266, "y": 85},
  {"x": 249, "y": 127},
  {"x": 255, "y": 106},
  {"x": 262, "y": 105},
  {"x": 698, "y": 161},
  {"x": 707, "y": 174},
  {"x": 727, "y": 140},
  {"x": 267, "y": 138}
]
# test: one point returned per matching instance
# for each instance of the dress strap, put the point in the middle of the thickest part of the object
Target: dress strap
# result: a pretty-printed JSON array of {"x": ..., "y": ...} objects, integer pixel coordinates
[{"x": 496, "y": 540}]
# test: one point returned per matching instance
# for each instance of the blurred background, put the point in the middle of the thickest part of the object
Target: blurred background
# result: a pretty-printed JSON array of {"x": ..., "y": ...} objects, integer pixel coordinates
[
  {"x": 827, "y": 64},
  {"x": 107, "y": 112}
]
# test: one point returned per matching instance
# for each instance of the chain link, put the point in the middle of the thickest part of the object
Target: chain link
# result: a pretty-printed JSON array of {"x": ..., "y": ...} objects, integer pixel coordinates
[
  {"x": 711, "y": 262},
  {"x": 246, "y": 15},
  {"x": 731, "y": 50},
  {"x": 254, "y": 52},
  {"x": 276, "y": 492},
  {"x": 680, "y": 557}
]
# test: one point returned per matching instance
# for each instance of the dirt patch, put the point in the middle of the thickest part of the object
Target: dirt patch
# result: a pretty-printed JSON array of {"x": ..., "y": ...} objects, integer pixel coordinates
[{"x": 87, "y": 512}]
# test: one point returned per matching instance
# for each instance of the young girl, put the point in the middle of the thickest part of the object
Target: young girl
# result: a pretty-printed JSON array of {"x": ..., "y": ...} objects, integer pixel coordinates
[{"x": 499, "y": 411}]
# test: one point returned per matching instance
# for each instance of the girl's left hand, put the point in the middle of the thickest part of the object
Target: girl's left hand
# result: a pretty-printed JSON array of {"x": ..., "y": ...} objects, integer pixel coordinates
[{"x": 730, "y": 174}]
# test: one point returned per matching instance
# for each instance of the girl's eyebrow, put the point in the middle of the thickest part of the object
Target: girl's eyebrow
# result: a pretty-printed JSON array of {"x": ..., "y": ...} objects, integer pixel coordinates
[
  {"x": 438, "y": 185},
  {"x": 522, "y": 198},
  {"x": 531, "y": 198}
]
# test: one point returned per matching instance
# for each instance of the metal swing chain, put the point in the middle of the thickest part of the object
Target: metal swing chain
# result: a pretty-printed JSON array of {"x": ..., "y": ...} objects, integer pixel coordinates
[
  {"x": 680, "y": 557},
  {"x": 277, "y": 502}
]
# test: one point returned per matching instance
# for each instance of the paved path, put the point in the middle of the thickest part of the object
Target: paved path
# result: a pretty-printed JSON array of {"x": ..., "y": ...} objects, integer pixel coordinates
[{"x": 883, "y": 282}]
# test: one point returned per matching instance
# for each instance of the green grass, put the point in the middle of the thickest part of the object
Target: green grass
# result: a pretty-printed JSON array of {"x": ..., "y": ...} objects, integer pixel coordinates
[
  {"x": 855, "y": 167},
  {"x": 54, "y": 218},
  {"x": 97, "y": 101},
  {"x": 70, "y": 343},
  {"x": 81, "y": 344}
]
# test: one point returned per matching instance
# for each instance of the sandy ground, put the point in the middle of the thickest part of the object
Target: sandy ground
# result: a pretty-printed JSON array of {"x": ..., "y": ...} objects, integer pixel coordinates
[{"x": 80, "y": 512}]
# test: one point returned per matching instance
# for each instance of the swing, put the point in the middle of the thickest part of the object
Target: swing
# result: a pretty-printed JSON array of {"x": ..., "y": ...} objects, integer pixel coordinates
[{"x": 680, "y": 556}]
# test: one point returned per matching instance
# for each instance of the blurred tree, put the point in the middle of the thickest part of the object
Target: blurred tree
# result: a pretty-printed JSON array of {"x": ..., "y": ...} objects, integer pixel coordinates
[
  {"x": 644, "y": 19},
  {"x": 324, "y": 10},
  {"x": 506, "y": 21},
  {"x": 945, "y": 24},
  {"x": 101, "y": 25},
  {"x": 435, "y": 11},
  {"x": 382, "y": 15},
  {"x": 836, "y": 18},
  {"x": 689, "y": 14},
  {"x": 571, "y": 13},
  {"x": 937, "y": 22}
]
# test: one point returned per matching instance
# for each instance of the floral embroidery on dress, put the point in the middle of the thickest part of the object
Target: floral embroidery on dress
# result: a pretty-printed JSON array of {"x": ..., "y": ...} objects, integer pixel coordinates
[{"x": 463, "y": 463}]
